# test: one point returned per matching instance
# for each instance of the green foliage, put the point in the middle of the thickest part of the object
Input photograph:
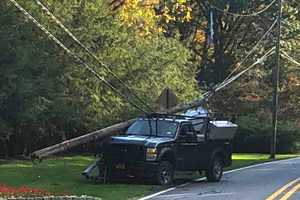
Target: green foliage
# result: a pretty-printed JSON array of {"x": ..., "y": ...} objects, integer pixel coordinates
[
  {"x": 234, "y": 37},
  {"x": 254, "y": 135},
  {"x": 45, "y": 94}
]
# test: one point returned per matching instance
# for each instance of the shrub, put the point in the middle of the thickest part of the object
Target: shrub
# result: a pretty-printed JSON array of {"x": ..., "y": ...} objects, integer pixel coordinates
[{"x": 254, "y": 136}]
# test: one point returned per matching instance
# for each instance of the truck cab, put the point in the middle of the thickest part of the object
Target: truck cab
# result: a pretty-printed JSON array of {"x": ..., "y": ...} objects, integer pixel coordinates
[{"x": 155, "y": 147}]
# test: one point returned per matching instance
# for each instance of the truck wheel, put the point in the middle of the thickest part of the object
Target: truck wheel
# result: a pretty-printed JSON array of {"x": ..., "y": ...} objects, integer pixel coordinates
[
  {"x": 215, "y": 172},
  {"x": 165, "y": 173}
]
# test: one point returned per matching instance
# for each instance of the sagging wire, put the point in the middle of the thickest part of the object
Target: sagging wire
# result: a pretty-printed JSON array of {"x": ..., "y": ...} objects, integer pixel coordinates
[
  {"x": 218, "y": 87},
  {"x": 244, "y": 15},
  {"x": 90, "y": 53},
  {"x": 238, "y": 65},
  {"x": 289, "y": 58},
  {"x": 78, "y": 59},
  {"x": 222, "y": 85},
  {"x": 260, "y": 60}
]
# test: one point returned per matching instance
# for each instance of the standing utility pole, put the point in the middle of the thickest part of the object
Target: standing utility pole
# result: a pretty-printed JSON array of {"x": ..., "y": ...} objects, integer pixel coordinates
[{"x": 276, "y": 83}]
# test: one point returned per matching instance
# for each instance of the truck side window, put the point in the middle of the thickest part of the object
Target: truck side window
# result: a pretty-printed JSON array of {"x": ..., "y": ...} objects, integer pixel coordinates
[
  {"x": 187, "y": 133},
  {"x": 186, "y": 129}
]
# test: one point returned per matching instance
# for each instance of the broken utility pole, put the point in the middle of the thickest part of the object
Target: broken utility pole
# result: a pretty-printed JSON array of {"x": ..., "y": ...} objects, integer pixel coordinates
[{"x": 105, "y": 132}]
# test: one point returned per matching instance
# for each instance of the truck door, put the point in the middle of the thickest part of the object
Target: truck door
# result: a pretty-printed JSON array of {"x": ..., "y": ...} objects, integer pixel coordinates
[
  {"x": 204, "y": 147},
  {"x": 187, "y": 148}
]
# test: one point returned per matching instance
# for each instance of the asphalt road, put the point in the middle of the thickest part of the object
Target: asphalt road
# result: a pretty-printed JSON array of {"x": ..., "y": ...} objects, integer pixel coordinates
[{"x": 264, "y": 181}]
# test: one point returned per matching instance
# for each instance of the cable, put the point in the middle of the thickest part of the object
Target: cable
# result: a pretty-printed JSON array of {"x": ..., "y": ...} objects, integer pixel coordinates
[
  {"x": 89, "y": 52},
  {"x": 58, "y": 42},
  {"x": 244, "y": 15},
  {"x": 52, "y": 37},
  {"x": 292, "y": 60},
  {"x": 252, "y": 50},
  {"x": 228, "y": 80},
  {"x": 221, "y": 85},
  {"x": 261, "y": 59},
  {"x": 218, "y": 87}
]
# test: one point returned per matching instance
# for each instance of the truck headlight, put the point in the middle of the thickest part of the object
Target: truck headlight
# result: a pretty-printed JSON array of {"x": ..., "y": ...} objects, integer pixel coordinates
[{"x": 151, "y": 154}]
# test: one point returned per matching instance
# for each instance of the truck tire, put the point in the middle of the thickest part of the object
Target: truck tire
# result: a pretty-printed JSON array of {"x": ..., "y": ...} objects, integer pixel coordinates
[
  {"x": 215, "y": 171},
  {"x": 165, "y": 173}
]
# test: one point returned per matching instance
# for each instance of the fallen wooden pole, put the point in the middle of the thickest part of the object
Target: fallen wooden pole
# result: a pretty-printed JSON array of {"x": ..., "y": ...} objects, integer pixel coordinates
[
  {"x": 63, "y": 146},
  {"x": 105, "y": 132}
]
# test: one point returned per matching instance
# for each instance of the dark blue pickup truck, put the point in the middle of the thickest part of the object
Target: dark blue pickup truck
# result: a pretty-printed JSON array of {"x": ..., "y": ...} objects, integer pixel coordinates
[{"x": 155, "y": 147}]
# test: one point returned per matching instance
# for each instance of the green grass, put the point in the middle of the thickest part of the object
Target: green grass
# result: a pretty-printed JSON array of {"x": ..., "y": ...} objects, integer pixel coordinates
[
  {"x": 62, "y": 176},
  {"x": 242, "y": 159}
]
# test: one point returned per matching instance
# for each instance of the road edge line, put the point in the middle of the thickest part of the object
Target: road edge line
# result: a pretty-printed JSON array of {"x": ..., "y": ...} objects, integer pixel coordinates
[
  {"x": 226, "y": 172},
  {"x": 157, "y": 193}
]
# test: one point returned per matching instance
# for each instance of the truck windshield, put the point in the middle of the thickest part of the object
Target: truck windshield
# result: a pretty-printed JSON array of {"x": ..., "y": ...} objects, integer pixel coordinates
[{"x": 164, "y": 128}]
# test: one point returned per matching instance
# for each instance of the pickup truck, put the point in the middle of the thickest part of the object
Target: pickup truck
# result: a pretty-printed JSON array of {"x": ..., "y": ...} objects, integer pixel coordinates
[{"x": 156, "y": 147}]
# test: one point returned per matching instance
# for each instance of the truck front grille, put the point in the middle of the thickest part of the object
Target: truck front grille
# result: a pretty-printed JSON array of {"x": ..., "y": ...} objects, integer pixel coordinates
[{"x": 126, "y": 153}]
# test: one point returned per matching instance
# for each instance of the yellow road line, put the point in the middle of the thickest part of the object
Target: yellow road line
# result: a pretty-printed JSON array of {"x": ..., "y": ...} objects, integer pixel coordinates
[
  {"x": 291, "y": 192},
  {"x": 282, "y": 189}
]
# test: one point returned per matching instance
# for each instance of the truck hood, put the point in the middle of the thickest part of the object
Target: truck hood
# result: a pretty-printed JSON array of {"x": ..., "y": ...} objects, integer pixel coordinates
[{"x": 140, "y": 140}]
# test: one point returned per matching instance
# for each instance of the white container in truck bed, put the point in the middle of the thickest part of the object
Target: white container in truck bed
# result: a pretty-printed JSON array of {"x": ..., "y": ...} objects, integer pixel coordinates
[{"x": 221, "y": 130}]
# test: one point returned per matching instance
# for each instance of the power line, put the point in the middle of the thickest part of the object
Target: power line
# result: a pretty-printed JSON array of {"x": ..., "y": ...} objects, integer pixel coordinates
[
  {"x": 238, "y": 65},
  {"x": 289, "y": 58},
  {"x": 218, "y": 87},
  {"x": 229, "y": 80},
  {"x": 260, "y": 60},
  {"x": 89, "y": 52},
  {"x": 244, "y": 15},
  {"x": 52, "y": 37},
  {"x": 59, "y": 43}
]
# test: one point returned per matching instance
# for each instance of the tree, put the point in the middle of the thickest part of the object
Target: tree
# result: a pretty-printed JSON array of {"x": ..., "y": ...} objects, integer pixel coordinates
[
  {"x": 46, "y": 96},
  {"x": 233, "y": 38}
]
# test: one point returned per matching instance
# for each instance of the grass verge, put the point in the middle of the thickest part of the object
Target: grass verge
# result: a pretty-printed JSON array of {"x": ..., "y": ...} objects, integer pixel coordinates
[
  {"x": 242, "y": 159},
  {"x": 62, "y": 176}
]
